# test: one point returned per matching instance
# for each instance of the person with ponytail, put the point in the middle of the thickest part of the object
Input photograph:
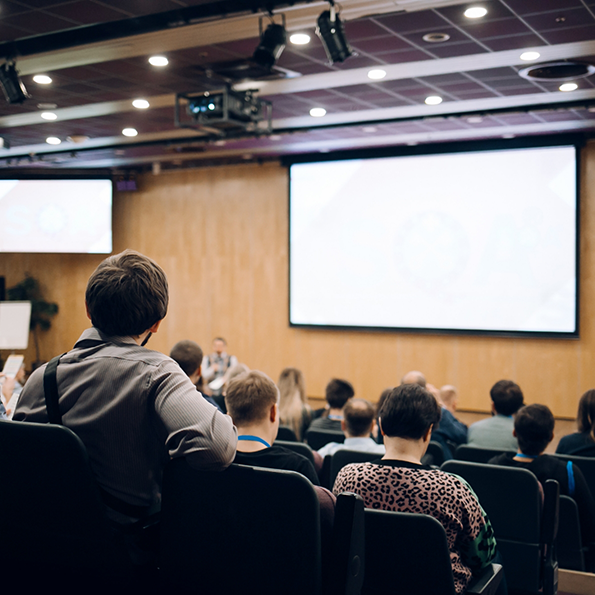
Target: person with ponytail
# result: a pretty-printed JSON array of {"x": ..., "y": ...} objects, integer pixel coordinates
[{"x": 294, "y": 410}]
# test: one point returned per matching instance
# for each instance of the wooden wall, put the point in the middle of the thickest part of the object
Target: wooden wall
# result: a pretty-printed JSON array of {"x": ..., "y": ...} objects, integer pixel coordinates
[{"x": 221, "y": 236}]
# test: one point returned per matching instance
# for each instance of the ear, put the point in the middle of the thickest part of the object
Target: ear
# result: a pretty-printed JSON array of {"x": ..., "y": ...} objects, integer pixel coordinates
[
  {"x": 87, "y": 310},
  {"x": 155, "y": 327},
  {"x": 199, "y": 372},
  {"x": 343, "y": 425},
  {"x": 273, "y": 413},
  {"x": 380, "y": 426},
  {"x": 428, "y": 434},
  {"x": 514, "y": 433}
]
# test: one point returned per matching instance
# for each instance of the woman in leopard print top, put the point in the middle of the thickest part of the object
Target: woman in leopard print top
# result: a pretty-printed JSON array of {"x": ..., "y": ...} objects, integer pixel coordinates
[{"x": 400, "y": 482}]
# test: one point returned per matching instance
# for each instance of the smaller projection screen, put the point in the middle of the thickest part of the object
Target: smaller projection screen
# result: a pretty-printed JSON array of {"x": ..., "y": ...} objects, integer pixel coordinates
[
  {"x": 56, "y": 216},
  {"x": 481, "y": 241}
]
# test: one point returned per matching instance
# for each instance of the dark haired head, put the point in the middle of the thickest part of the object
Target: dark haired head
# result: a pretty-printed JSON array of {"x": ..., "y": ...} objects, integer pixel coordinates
[
  {"x": 507, "y": 397},
  {"x": 586, "y": 413},
  {"x": 534, "y": 428},
  {"x": 359, "y": 417},
  {"x": 338, "y": 392},
  {"x": 188, "y": 354},
  {"x": 409, "y": 412},
  {"x": 127, "y": 294}
]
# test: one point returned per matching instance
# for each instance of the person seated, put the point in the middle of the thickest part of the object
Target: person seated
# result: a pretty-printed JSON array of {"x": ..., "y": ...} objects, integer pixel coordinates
[
  {"x": 534, "y": 430},
  {"x": 383, "y": 395},
  {"x": 399, "y": 482},
  {"x": 357, "y": 425},
  {"x": 582, "y": 443},
  {"x": 450, "y": 432},
  {"x": 496, "y": 431},
  {"x": 252, "y": 401},
  {"x": 293, "y": 407},
  {"x": 414, "y": 377},
  {"x": 338, "y": 392}
]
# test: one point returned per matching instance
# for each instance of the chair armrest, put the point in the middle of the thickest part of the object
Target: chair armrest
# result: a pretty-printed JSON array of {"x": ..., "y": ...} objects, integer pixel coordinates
[{"x": 487, "y": 582}]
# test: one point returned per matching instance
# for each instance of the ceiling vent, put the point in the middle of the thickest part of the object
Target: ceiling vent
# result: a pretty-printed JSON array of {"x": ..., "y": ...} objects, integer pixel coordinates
[{"x": 561, "y": 70}]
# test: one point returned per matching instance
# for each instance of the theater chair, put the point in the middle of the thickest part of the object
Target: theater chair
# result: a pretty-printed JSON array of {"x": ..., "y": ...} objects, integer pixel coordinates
[
  {"x": 254, "y": 530},
  {"x": 335, "y": 462},
  {"x": 299, "y": 447},
  {"x": 476, "y": 454},
  {"x": 408, "y": 554},
  {"x": 434, "y": 455},
  {"x": 571, "y": 554},
  {"x": 525, "y": 521},
  {"x": 54, "y": 534},
  {"x": 316, "y": 439},
  {"x": 286, "y": 434},
  {"x": 585, "y": 464}
]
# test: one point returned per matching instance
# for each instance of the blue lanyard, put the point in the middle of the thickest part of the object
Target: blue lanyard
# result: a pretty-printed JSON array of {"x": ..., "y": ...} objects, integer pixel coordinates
[
  {"x": 522, "y": 456},
  {"x": 254, "y": 439}
]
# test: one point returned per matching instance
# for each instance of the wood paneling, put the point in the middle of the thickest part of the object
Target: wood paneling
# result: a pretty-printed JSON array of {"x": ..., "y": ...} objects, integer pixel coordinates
[{"x": 221, "y": 236}]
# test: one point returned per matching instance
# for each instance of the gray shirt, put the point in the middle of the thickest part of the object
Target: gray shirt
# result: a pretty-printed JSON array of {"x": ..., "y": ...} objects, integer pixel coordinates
[
  {"x": 493, "y": 432},
  {"x": 133, "y": 408},
  {"x": 361, "y": 444}
]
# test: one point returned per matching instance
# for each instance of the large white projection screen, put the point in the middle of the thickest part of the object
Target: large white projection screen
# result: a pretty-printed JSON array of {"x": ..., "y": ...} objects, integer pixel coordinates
[
  {"x": 479, "y": 241},
  {"x": 56, "y": 216}
]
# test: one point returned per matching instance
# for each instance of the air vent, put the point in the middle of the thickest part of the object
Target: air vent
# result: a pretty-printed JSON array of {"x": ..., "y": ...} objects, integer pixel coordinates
[{"x": 562, "y": 70}]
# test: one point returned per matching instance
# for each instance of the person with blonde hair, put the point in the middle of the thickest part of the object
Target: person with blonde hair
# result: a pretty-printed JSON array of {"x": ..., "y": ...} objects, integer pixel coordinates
[{"x": 294, "y": 410}]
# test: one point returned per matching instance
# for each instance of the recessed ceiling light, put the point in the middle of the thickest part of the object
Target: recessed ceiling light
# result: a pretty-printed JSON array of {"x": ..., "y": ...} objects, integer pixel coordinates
[
  {"x": 140, "y": 103},
  {"x": 299, "y": 38},
  {"x": 370, "y": 129},
  {"x": 129, "y": 132},
  {"x": 508, "y": 136},
  {"x": 49, "y": 116},
  {"x": 77, "y": 138},
  {"x": 158, "y": 61},
  {"x": 475, "y": 120},
  {"x": 528, "y": 56},
  {"x": 42, "y": 79},
  {"x": 275, "y": 137},
  {"x": 317, "y": 112},
  {"x": 376, "y": 74},
  {"x": 436, "y": 37},
  {"x": 433, "y": 100},
  {"x": 568, "y": 87},
  {"x": 476, "y": 12},
  {"x": 53, "y": 140}
]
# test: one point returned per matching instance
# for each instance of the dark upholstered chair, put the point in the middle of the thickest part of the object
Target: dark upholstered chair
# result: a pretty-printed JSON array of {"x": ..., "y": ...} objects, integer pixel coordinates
[
  {"x": 586, "y": 465},
  {"x": 571, "y": 554},
  {"x": 434, "y": 455},
  {"x": 344, "y": 457},
  {"x": 316, "y": 439},
  {"x": 299, "y": 447},
  {"x": 476, "y": 454},
  {"x": 286, "y": 434}
]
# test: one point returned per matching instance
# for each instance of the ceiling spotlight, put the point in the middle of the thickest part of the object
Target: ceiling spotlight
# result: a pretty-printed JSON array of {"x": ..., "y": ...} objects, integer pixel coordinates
[
  {"x": 433, "y": 100},
  {"x": 317, "y": 112},
  {"x": 53, "y": 140},
  {"x": 332, "y": 34},
  {"x": 271, "y": 45},
  {"x": 129, "y": 132},
  {"x": 568, "y": 87},
  {"x": 42, "y": 79},
  {"x": 11, "y": 84},
  {"x": 475, "y": 120},
  {"x": 436, "y": 37},
  {"x": 529, "y": 56},
  {"x": 376, "y": 74},
  {"x": 369, "y": 129},
  {"x": 49, "y": 116},
  {"x": 476, "y": 12},
  {"x": 300, "y": 38},
  {"x": 158, "y": 61},
  {"x": 140, "y": 103}
]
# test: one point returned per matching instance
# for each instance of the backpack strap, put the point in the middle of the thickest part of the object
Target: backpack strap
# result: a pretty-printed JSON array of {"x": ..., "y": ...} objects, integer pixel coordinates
[
  {"x": 50, "y": 387},
  {"x": 571, "y": 484}
]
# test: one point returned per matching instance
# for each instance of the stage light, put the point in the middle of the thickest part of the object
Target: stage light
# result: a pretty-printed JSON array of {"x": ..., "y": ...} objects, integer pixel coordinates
[
  {"x": 11, "y": 84},
  {"x": 332, "y": 34},
  {"x": 271, "y": 46}
]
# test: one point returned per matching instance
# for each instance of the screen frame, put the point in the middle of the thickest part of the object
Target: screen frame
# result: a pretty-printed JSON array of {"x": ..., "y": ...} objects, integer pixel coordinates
[{"x": 576, "y": 141}]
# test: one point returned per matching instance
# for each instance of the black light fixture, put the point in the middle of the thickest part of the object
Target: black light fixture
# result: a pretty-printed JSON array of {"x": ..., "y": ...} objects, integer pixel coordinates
[
  {"x": 332, "y": 34},
  {"x": 11, "y": 84},
  {"x": 271, "y": 45}
]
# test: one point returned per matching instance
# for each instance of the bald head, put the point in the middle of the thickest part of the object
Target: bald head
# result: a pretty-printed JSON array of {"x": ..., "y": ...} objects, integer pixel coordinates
[
  {"x": 449, "y": 397},
  {"x": 358, "y": 418},
  {"x": 414, "y": 377}
]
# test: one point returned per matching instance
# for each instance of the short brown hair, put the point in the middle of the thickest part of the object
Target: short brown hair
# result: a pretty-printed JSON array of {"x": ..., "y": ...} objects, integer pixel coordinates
[
  {"x": 127, "y": 294},
  {"x": 249, "y": 397},
  {"x": 534, "y": 428},
  {"x": 338, "y": 392},
  {"x": 188, "y": 355},
  {"x": 507, "y": 397},
  {"x": 359, "y": 416}
]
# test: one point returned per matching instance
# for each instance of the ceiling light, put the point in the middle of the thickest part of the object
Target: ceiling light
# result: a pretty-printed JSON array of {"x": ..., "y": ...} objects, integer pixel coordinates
[
  {"x": 300, "y": 38},
  {"x": 376, "y": 74},
  {"x": 158, "y": 61},
  {"x": 433, "y": 100},
  {"x": 53, "y": 140},
  {"x": 129, "y": 132},
  {"x": 275, "y": 137},
  {"x": 332, "y": 34},
  {"x": 476, "y": 12},
  {"x": 508, "y": 136},
  {"x": 77, "y": 138},
  {"x": 528, "y": 56},
  {"x": 42, "y": 79},
  {"x": 369, "y": 129},
  {"x": 271, "y": 45},
  {"x": 317, "y": 112},
  {"x": 11, "y": 84},
  {"x": 49, "y": 116},
  {"x": 436, "y": 37},
  {"x": 140, "y": 103},
  {"x": 475, "y": 120},
  {"x": 568, "y": 87}
]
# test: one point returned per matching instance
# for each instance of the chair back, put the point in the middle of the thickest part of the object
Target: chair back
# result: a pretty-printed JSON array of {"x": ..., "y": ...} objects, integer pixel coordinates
[
  {"x": 316, "y": 439},
  {"x": 586, "y": 465},
  {"x": 434, "y": 455},
  {"x": 245, "y": 528},
  {"x": 286, "y": 434},
  {"x": 476, "y": 454},
  {"x": 343, "y": 457},
  {"x": 512, "y": 499},
  {"x": 299, "y": 447},
  {"x": 569, "y": 544}
]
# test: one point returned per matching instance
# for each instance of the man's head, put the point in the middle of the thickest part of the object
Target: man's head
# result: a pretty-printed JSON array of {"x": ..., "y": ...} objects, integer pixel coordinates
[
  {"x": 507, "y": 397},
  {"x": 127, "y": 294},
  {"x": 188, "y": 354},
  {"x": 219, "y": 345},
  {"x": 338, "y": 392},
  {"x": 358, "y": 418},
  {"x": 414, "y": 377},
  {"x": 251, "y": 399},
  {"x": 534, "y": 429},
  {"x": 586, "y": 413},
  {"x": 409, "y": 412}
]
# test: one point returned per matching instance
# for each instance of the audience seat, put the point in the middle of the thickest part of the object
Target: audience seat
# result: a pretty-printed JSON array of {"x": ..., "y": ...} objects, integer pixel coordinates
[
  {"x": 54, "y": 534},
  {"x": 248, "y": 529},
  {"x": 316, "y": 439},
  {"x": 299, "y": 447},
  {"x": 286, "y": 434},
  {"x": 408, "y": 554},
  {"x": 434, "y": 455},
  {"x": 571, "y": 555},
  {"x": 344, "y": 457},
  {"x": 586, "y": 465},
  {"x": 476, "y": 454},
  {"x": 525, "y": 522}
]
